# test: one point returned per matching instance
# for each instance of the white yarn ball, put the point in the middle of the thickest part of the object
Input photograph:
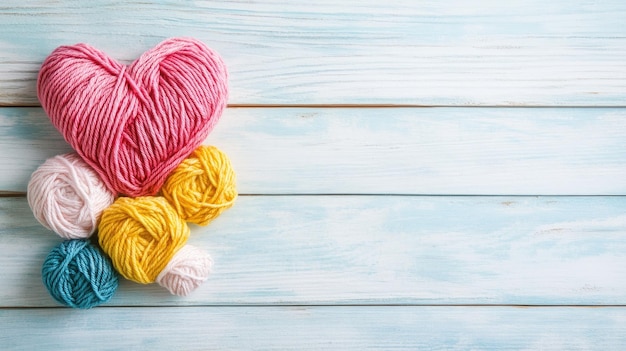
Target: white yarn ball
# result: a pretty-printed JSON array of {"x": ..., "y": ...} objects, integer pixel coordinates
[
  {"x": 189, "y": 268},
  {"x": 67, "y": 196}
]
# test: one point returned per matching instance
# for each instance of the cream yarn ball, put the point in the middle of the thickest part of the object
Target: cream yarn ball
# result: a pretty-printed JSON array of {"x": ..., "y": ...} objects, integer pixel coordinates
[{"x": 67, "y": 196}]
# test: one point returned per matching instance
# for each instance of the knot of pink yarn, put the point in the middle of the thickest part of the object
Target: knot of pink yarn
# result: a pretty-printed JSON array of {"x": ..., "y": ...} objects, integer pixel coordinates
[{"x": 134, "y": 124}]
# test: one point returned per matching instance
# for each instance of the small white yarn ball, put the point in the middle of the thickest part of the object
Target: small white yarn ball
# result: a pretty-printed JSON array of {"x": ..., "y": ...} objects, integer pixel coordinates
[
  {"x": 67, "y": 196},
  {"x": 189, "y": 268}
]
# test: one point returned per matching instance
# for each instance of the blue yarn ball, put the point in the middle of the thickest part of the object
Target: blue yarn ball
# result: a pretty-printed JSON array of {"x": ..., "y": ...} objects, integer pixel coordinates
[{"x": 78, "y": 274}]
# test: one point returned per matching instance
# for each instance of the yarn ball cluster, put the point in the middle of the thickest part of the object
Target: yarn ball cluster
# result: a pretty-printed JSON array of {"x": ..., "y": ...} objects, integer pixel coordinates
[{"x": 137, "y": 132}]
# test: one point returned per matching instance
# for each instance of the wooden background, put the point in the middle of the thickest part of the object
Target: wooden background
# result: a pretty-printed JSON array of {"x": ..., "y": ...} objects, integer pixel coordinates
[{"x": 441, "y": 175}]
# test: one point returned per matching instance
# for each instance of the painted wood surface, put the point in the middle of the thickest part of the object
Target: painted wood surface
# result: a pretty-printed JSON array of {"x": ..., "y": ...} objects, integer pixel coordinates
[
  {"x": 342, "y": 249},
  {"x": 338, "y": 250},
  {"x": 456, "y": 52},
  {"x": 316, "y": 328},
  {"x": 504, "y": 151}
]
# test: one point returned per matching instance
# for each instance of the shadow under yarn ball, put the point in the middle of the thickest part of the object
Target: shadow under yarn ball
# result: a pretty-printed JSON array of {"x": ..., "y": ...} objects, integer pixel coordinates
[{"x": 77, "y": 274}]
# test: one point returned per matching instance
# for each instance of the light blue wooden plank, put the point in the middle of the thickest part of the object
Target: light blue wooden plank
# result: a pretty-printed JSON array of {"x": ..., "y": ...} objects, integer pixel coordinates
[
  {"x": 315, "y": 328},
  {"x": 455, "y": 52},
  {"x": 373, "y": 250},
  {"x": 503, "y": 151}
]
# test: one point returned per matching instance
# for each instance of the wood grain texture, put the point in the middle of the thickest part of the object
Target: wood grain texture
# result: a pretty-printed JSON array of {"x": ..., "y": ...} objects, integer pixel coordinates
[
  {"x": 350, "y": 52},
  {"x": 390, "y": 268},
  {"x": 337, "y": 250},
  {"x": 315, "y": 328},
  {"x": 502, "y": 151}
]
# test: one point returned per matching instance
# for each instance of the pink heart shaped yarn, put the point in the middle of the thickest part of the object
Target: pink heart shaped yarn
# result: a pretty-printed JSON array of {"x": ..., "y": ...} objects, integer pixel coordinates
[{"x": 134, "y": 124}]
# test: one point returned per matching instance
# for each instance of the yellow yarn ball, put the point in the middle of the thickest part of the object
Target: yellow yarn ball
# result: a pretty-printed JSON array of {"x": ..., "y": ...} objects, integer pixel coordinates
[
  {"x": 202, "y": 186},
  {"x": 141, "y": 235}
]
